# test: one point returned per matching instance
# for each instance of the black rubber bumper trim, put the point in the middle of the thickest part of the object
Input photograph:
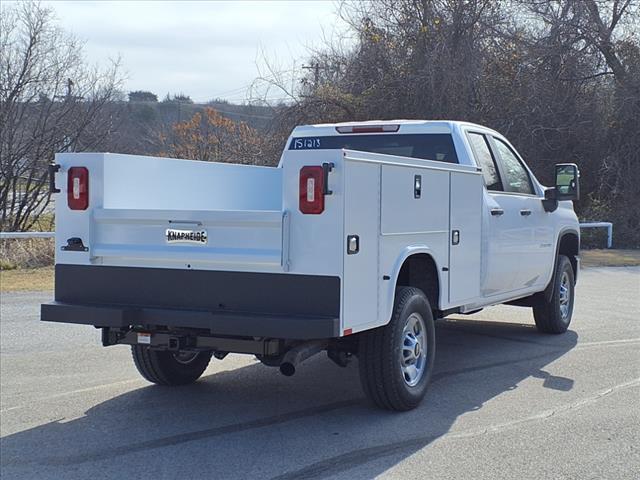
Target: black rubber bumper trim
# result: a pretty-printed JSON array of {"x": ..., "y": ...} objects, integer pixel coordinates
[
  {"x": 219, "y": 323},
  {"x": 279, "y": 294}
]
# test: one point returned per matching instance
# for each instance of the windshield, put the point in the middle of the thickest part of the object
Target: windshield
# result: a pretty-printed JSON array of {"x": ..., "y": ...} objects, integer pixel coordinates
[{"x": 428, "y": 146}]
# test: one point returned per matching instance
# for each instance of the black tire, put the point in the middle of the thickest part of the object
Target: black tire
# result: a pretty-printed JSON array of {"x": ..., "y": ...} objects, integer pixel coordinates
[
  {"x": 381, "y": 354},
  {"x": 169, "y": 368},
  {"x": 554, "y": 316}
]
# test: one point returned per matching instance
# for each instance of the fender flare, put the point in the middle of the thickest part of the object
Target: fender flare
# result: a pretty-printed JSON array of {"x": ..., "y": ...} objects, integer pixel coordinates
[
  {"x": 390, "y": 287},
  {"x": 548, "y": 291}
]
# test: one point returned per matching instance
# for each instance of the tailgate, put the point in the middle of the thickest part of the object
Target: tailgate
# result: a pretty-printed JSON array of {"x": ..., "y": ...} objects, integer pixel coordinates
[{"x": 191, "y": 238}]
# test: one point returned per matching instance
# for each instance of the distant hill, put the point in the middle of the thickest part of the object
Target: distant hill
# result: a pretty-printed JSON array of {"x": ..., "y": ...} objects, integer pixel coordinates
[
  {"x": 255, "y": 116},
  {"x": 170, "y": 112},
  {"x": 141, "y": 124}
]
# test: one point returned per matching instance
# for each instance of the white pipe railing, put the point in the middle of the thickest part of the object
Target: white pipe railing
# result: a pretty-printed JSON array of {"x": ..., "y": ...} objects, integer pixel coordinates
[
  {"x": 7, "y": 235},
  {"x": 607, "y": 225}
]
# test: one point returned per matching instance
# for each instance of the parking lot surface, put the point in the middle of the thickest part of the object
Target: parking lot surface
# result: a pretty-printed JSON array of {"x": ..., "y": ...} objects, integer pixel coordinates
[{"x": 505, "y": 402}]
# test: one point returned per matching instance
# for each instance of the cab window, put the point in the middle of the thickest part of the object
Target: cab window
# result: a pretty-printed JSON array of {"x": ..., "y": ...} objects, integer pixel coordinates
[
  {"x": 428, "y": 146},
  {"x": 485, "y": 160},
  {"x": 516, "y": 178}
]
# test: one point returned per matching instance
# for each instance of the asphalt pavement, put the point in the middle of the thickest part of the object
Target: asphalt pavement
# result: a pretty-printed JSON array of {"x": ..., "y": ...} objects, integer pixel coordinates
[{"x": 505, "y": 402}]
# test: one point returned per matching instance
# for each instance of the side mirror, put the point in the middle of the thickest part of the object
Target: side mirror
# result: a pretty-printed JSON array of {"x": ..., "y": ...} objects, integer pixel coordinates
[
  {"x": 567, "y": 181},
  {"x": 550, "y": 202}
]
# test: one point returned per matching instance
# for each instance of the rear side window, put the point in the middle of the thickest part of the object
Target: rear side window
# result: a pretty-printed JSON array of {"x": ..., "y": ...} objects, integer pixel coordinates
[
  {"x": 428, "y": 146},
  {"x": 516, "y": 176},
  {"x": 485, "y": 160}
]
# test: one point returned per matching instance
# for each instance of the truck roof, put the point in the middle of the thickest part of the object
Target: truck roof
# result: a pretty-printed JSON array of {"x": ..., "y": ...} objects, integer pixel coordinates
[{"x": 406, "y": 126}]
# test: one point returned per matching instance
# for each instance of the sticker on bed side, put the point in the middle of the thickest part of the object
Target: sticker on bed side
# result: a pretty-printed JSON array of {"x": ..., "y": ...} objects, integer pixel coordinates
[{"x": 144, "y": 338}]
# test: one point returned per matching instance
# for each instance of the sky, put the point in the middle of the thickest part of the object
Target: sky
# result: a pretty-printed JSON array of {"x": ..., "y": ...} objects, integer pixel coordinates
[{"x": 204, "y": 49}]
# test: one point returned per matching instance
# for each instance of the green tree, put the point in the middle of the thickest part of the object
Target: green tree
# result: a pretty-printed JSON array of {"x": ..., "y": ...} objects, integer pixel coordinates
[{"x": 142, "y": 96}]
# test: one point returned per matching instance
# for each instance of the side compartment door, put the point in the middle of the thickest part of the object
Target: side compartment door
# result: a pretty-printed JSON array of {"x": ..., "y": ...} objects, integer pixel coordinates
[
  {"x": 465, "y": 236},
  {"x": 361, "y": 228}
]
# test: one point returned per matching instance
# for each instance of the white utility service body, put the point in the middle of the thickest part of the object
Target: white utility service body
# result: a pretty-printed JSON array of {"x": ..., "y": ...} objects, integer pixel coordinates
[{"x": 194, "y": 249}]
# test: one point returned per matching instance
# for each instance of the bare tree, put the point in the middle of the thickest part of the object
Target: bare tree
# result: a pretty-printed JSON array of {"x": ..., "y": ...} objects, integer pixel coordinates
[
  {"x": 561, "y": 78},
  {"x": 50, "y": 101}
]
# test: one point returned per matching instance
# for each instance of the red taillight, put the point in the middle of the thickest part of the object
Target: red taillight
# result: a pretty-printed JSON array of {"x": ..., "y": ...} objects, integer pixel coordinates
[
  {"x": 78, "y": 188},
  {"x": 367, "y": 128},
  {"x": 311, "y": 190}
]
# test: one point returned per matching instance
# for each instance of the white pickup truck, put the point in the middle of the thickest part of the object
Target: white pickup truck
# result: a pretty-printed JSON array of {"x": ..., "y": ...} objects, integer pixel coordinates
[{"x": 361, "y": 237}]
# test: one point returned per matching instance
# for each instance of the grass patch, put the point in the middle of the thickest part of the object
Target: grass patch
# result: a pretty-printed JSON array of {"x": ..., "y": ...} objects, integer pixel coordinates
[
  {"x": 24, "y": 279},
  {"x": 26, "y": 253},
  {"x": 610, "y": 258},
  {"x": 26, "y": 264},
  {"x": 46, "y": 222}
]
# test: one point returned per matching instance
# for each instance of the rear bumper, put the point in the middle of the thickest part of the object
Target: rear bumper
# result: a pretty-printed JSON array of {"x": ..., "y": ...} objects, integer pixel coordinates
[{"x": 274, "y": 305}]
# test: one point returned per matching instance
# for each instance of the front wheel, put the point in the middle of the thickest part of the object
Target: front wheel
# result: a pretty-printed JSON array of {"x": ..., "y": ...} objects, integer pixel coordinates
[
  {"x": 396, "y": 361},
  {"x": 169, "y": 368},
  {"x": 554, "y": 315}
]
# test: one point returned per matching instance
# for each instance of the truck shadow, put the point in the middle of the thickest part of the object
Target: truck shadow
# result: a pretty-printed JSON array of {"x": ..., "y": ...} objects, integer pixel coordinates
[{"x": 253, "y": 423}]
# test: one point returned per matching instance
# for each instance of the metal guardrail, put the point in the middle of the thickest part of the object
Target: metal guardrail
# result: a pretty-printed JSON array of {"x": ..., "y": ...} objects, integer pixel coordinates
[
  {"x": 607, "y": 225},
  {"x": 7, "y": 235}
]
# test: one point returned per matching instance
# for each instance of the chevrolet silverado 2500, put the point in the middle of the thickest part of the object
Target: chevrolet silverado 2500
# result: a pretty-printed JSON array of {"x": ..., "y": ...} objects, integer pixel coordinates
[{"x": 361, "y": 236}]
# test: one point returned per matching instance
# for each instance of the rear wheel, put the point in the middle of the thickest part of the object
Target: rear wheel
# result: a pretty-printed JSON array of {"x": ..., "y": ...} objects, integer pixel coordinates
[
  {"x": 554, "y": 315},
  {"x": 169, "y": 368},
  {"x": 396, "y": 361}
]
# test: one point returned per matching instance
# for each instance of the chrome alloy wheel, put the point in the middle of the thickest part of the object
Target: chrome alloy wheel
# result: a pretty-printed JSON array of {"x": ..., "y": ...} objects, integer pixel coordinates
[
  {"x": 565, "y": 295},
  {"x": 413, "y": 354}
]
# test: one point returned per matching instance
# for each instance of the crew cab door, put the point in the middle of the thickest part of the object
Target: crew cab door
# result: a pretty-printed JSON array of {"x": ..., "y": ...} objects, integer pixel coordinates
[
  {"x": 506, "y": 234},
  {"x": 527, "y": 213}
]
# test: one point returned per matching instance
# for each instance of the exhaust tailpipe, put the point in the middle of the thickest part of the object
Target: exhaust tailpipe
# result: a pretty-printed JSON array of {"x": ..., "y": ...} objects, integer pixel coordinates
[{"x": 299, "y": 354}]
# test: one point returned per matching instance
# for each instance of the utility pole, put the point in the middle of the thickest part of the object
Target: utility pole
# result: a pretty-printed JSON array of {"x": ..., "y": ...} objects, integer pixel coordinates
[
  {"x": 316, "y": 73},
  {"x": 67, "y": 145},
  {"x": 69, "y": 96}
]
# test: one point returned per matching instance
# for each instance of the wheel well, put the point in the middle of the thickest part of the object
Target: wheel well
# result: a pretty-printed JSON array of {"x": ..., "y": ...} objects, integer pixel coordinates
[
  {"x": 570, "y": 246},
  {"x": 420, "y": 271}
]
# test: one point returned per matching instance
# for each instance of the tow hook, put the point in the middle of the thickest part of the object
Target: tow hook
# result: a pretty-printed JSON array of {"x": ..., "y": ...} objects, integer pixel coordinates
[{"x": 176, "y": 343}]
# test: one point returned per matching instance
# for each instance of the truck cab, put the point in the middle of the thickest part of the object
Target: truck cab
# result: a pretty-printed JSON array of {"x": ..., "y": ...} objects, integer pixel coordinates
[{"x": 360, "y": 238}]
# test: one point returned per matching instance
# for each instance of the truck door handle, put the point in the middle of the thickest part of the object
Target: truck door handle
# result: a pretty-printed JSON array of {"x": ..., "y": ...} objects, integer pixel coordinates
[
  {"x": 53, "y": 168},
  {"x": 417, "y": 186},
  {"x": 326, "y": 168},
  {"x": 496, "y": 212},
  {"x": 525, "y": 212}
]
